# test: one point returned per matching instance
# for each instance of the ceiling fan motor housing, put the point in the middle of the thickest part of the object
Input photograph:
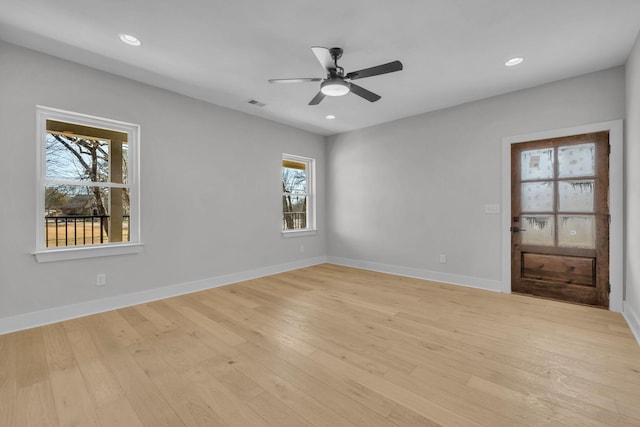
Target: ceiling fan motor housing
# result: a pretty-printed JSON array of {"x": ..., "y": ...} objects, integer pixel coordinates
[{"x": 336, "y": 53}]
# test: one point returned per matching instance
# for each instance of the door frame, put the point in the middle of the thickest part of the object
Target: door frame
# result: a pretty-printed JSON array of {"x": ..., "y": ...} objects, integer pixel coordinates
[{"x": 616, "y": 202}]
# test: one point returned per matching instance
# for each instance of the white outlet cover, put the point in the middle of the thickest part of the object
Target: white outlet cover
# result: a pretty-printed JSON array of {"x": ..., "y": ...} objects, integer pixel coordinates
[{"x": 101, "y": 279}]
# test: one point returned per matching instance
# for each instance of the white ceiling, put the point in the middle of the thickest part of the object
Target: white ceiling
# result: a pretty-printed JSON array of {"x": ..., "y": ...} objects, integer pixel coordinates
[{"x": 224, "y": 52}]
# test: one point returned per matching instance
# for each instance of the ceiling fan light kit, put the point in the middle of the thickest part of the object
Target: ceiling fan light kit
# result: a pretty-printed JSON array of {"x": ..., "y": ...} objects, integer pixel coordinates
[
  {"x": 335, "y": 87},
  {"x": 337, "y": 83}
]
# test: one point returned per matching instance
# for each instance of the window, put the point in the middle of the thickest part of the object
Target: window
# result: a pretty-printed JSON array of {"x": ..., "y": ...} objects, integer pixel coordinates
[
  {"x": 298, "y": 207},
  {"x": 87, "y": 186}
]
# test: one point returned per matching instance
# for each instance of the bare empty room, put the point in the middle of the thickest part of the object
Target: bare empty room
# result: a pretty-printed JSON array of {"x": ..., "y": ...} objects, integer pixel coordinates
[{"x": 420, "y": 213}]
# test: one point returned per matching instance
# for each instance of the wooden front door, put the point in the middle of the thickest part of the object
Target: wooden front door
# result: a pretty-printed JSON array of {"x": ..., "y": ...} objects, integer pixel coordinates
[{"x": 560, "y": 218}]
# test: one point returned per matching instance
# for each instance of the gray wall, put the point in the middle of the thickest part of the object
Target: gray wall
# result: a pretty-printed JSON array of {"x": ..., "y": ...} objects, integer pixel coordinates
[
  {"x": 404, "y": 192},
  {"x": 210, "y": 186},
  {"x": 400, "y": 193},
  {"x": 632, "y": 187}
]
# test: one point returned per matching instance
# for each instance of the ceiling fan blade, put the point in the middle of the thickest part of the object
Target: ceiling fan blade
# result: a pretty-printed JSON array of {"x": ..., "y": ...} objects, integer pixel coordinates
[
  {"x": 360, "y": 91},
  {"x": 316, "y": 99},
  {"x": 375, "y": 71},
  {"x": 300, "y": 80},
  {"x": 324, "y": 57}
]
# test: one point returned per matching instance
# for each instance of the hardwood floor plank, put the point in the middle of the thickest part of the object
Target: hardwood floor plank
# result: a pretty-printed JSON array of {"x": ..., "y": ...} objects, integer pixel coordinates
[
  {"x": 537, "y": 408},
  {"x": 363, "y": 397},
  {"x": 146, "y": 400},
  {"x": 327, "y": 396},
  {"x": 101, "y": 384},
  {"x": 118, "y": 412},
  {"x": 31, "y": 366},
  {"x": 160, "y": 322},
  {"x": 223, "y": 334},
  {"x": 399, "y": 395},
  {"x": 332, "y": 346},
  {"x": 630, "y": 410},
  {"x": 275, "y": 412},
  {"x": 303, "y": 404},
  {"x": 74, "y": 405},
  {"x": 241, "y": 386},
  {"x": 8, "y": 382},
  {"x": 35, "y": 405},
  {"x": 182, "y": 397}
]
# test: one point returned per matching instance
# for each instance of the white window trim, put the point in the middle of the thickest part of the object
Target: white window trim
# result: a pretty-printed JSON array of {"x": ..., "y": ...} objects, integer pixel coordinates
[
  {"x": 311, "y": 196},
  {"x": 134, "y": 245},
  {"x": 299, "y": 233}
]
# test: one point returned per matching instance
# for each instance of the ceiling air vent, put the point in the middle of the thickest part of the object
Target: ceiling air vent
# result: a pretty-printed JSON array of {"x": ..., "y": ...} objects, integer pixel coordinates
[{"x": 256, "y": 103}]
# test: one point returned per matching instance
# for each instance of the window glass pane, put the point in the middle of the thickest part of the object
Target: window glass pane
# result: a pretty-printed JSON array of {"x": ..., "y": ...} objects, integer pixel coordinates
[
  {"x": 76, "y": 215},
  {"x": 120, "y": 176},
  {"x": 537, "y": 197},
  {"x": 576, "y": 196},
  {"x": 80, "y": 215},
  {"x": 294, "y": 212},
  {"x": 576, "y": 160},
  {"x": 294, "y": 180},
  {"x": 536, "y": 164},
  {"x": 125, "y": 163},
  {"x": 75, "y": 158},
  {"x": 538, "y": 230},
  {"x": 577, "y": 231},
  {"x": 73, "y": 200}
]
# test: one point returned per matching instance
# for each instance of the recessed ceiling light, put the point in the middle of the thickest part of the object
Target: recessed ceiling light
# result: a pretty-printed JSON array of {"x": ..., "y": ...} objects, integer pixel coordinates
[
  {"x": 513, "y": 62},
  {"x": 330, "y": 117},
  {"x": 130, "y": 40}
]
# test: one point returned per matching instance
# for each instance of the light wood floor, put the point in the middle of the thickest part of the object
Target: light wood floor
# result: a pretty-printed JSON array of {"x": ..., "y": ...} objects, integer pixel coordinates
[{"x": 329, "y": 346}]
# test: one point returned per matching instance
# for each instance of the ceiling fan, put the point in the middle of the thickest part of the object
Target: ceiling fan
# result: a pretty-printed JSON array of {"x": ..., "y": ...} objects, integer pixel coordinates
[{"x": 337, "y": 83}]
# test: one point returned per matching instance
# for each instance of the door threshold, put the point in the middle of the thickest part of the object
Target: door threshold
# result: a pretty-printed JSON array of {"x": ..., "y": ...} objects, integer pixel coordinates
[{"x": 559, "y": 300}]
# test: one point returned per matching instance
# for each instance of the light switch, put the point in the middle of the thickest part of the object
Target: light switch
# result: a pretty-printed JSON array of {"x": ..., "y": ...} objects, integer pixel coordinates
[{"x": 492, "y": 209}]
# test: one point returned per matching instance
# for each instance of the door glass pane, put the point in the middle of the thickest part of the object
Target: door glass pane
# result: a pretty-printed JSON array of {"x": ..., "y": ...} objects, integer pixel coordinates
[
  {"x": 536, "y": 164},
  {"x": 576, "y": 196},
  {"x": 537, "y": 196},
  {"x": 538, "y": 230},
  {"x": 577, "y": 231},
  {"x": 576, "y": 160}
]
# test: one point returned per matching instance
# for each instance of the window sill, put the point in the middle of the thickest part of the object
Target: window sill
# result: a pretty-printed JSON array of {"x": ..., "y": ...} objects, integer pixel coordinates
[
  {"x": 299, "y": 233},
  {"x": 50, "y": 255}
]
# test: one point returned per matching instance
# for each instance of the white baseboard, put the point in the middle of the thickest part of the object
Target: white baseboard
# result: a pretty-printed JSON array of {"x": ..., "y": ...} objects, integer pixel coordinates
[
  {"x": 454, "y": 279},
  {"x": 633, "y": 320},
  {"x": 58, "y": 314}
]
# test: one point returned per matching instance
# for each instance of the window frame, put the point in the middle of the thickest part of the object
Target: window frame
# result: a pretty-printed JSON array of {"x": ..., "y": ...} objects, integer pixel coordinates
[
  {"x": 134, "y": 245},
  {"x": 310, "y": 164}
]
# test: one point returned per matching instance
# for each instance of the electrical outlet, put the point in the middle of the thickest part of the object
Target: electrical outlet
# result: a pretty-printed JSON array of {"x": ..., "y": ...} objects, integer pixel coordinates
[
  {"x": 101, "y": 279},
  {"x": 443, "y": 258},
  {"x": 301, "y": 248}
]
